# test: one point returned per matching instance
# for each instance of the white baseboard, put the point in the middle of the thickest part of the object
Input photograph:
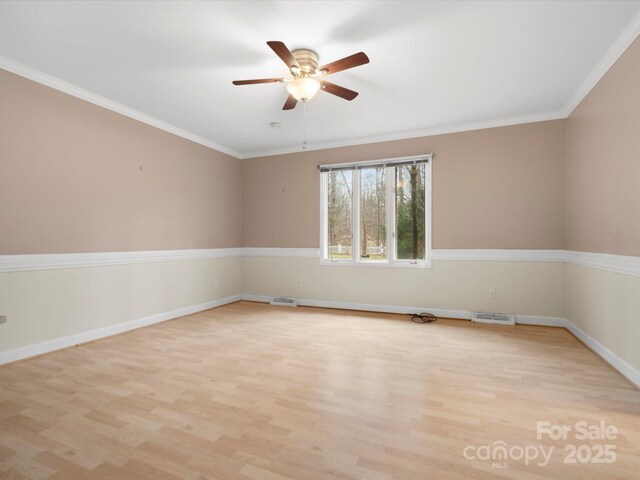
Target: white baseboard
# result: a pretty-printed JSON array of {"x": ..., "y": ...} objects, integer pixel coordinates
[
  {"x": 439, "y": 312},
  {"x": 365, "y": 307},
  {"x": 632, "y": 374},
  {"x": 607, "y": 355},
  {"x": 541, "y": 321},
  {"x": 628, "y": 371},
  {"x": 71, "y": 340},
  {"x": 372, "y": 307}
]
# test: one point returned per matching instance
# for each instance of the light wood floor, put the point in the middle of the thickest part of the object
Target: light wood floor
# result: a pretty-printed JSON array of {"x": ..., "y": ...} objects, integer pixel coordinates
[{"x": 250, "y": 391}]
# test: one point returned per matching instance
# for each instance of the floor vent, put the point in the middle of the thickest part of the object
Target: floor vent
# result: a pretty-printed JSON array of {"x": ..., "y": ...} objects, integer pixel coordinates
[
  {"x": 500, "y": 318},
  {"x": 284, "y": 301}
]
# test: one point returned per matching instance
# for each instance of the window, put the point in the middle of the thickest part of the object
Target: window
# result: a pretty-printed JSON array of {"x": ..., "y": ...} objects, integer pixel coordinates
[
  {"x": 340, "y": 214},
  {"x": 376, "y": 213}
]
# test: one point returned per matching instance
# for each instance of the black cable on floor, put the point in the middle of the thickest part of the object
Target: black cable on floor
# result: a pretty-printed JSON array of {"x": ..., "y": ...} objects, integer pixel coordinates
[{"x": 424, "y": 317}]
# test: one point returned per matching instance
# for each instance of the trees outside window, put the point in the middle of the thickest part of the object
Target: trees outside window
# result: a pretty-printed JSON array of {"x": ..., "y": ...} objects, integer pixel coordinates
[
  {"x": 339, "y": 213},
  {"x": 410, "y": 214}
]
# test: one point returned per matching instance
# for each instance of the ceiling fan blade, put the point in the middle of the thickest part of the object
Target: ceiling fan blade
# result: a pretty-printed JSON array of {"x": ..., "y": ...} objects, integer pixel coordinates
[
  {"x": 283, "y": 52},
  {"x": 290, "y": 103},
  {"x": 260, "y": 80},
  {"x": 339, "y": 91},
  {"x": 345, "y": 63}
]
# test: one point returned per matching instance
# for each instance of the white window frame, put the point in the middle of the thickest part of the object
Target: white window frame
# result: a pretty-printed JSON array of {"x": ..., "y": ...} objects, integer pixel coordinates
[{"x": 391, "y": 261}]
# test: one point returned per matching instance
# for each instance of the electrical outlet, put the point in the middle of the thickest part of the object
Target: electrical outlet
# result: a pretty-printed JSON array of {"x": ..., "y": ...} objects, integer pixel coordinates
[
  {"x": 492, "y": 293},
  {"x": 3, "y": 319},
  {"x": 216, "y": 284}
]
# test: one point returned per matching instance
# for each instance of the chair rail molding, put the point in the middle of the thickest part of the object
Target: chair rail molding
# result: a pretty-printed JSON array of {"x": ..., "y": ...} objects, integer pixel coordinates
[{"x": 628, "y": 265}]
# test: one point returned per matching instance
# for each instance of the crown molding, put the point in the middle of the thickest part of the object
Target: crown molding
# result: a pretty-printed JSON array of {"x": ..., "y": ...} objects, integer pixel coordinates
[
  {"x": 612, "y": 55},
  {"x": 624, "y": 40},
  {"x": 389, "y": 137},
  {"x": 70, "y": 89},
  {"x": 621, "y": 44}
]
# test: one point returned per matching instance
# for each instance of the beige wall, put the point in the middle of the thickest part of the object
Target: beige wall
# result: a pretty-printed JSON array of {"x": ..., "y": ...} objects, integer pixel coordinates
[
  {"x": 524, "y": 288},
  {"x": 605, "y": 306},
  {"x": 76, "y": 177},
  {"x": 603, "y": 207},
  {"x": 71, "y": 182},
  {"x": 603, "y": 163},
  {"x": 49, "y": 304},
  {"x": 493, "y": 188},
  {"x": 497, "y": 188}
]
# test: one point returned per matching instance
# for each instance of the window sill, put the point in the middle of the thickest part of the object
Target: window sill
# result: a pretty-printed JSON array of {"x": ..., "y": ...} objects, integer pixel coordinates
[{"x": 350, "y": 263}]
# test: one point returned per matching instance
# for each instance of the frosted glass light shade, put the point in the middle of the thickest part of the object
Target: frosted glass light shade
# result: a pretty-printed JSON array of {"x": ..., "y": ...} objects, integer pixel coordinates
[{"x": 303, "y": 89}]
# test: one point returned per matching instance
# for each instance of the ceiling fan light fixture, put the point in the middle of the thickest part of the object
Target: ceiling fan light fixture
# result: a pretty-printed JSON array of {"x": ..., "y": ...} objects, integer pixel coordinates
[
  {"x": 303, "y": 67},
  {"x": 303, "y": 89}
]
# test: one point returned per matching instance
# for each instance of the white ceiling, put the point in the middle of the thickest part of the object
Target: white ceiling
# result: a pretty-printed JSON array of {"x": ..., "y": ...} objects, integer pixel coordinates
[{"x": 435, "y": 66}]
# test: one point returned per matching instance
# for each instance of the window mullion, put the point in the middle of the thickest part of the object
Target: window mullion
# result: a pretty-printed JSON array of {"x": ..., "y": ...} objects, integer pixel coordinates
[
  {"x": 427, "y": 212},
  {"x": 324, "y": 228},
  {"x": 391, "y": 213},
  {"x": 355, "y": 240}
]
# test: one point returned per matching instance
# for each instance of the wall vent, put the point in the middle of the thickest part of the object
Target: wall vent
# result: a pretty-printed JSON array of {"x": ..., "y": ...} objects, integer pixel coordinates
[
  {"x": 500, "y": 318},
  {"x": 284, "y": 301}
]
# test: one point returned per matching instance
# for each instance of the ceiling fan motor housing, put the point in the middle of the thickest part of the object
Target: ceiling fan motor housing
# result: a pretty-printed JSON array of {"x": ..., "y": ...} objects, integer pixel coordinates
[{"x": 307, "y": 59}]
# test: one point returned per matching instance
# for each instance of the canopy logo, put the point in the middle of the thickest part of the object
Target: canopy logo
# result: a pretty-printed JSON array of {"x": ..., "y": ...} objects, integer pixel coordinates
[{"x": 500, "y": 453}]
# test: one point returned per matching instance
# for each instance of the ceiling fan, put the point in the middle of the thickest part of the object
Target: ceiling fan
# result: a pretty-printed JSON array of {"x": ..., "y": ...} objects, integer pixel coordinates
[{"x": 306, "y": 76}]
